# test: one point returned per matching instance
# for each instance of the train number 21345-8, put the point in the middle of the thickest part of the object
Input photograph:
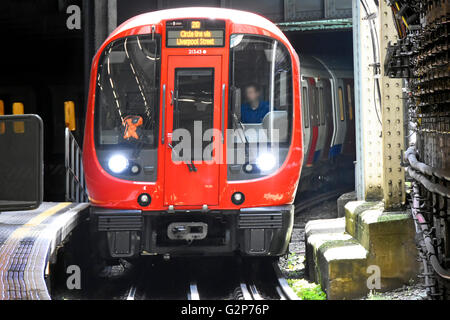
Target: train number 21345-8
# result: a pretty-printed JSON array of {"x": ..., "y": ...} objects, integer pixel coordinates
[{"x": 197, "y": 51}]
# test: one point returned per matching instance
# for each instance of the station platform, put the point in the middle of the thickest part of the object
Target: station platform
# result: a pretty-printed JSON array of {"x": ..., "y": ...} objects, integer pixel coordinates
[{"x": 28, "y": 239}]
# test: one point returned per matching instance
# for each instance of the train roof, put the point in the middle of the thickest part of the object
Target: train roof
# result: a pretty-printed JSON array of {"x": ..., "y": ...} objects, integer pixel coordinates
[
  {"x": 236, "y": 16},
  {"x": 341, "y": 66},
  {"x": 326, "y": 66},
  {"x": 310, "y": 66}
]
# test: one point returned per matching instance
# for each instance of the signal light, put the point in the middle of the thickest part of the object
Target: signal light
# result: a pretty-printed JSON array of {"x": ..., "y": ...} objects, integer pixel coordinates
[
  {"x": 18, "y": 108},
  {"x": 69, "y": 115},
  {"x": 19, "y": 126}
]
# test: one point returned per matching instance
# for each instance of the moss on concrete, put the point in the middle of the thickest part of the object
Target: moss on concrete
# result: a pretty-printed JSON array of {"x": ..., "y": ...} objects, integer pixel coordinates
[
  {"x": 389, "y": 239},
  {"x": 337, "y": 243},
  {"x": 393, "y": 217},
  {"x": 339, "y": 260},
  {"x": 353, "y": 212}
]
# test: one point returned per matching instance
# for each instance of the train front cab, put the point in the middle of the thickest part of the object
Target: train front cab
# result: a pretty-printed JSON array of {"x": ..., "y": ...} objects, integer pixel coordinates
[{"x": 147, "y": 196}]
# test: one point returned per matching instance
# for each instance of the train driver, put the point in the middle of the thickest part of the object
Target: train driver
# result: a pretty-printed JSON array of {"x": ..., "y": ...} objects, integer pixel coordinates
[{"x": 254, "y": 110}]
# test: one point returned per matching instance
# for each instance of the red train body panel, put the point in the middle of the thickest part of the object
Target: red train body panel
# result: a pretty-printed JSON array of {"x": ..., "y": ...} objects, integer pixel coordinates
[{"x": 111, "y": 192}]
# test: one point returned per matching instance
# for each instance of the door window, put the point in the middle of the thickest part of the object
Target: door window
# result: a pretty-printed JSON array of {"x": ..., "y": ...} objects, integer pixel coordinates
[{"x": 193, "y": 113}]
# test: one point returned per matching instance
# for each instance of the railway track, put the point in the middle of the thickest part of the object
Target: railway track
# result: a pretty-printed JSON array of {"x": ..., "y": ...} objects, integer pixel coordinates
[
  {"x": 246, "y": 280},
  {"x": 315, "y": 200}
]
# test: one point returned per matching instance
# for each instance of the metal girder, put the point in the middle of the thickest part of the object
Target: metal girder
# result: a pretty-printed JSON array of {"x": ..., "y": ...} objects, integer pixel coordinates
[
  {"x": 105, "y": 12},
  {"x": 334, "y": 24},
  {"x": 369, "y": 164},
  {"x": 309, "y": 10},
  {"x": 379, "y": 114},
  {"x": 392, "y": 118}
]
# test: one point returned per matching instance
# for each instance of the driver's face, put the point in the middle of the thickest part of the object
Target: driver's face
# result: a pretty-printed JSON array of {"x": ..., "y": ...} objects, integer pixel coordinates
[{"x": 252, "y": 94}]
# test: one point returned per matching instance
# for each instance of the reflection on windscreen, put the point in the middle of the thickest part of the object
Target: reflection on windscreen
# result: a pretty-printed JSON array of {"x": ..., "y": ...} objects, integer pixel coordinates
[
  {"x": 128, "y": 93},
  {"x": 261, "y": 89}
]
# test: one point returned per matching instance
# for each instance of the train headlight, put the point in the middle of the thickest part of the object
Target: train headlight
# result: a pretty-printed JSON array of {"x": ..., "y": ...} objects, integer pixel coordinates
[
  {"x": 118, "y": 163},
  {"x": 266, "y": 162}
]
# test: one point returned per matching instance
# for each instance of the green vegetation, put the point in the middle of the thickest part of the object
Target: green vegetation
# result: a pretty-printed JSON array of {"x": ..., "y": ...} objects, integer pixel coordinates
[
  {"x": 293, "y": 269},
  {"x": 373, "y": 295},
  {"x": 306, "y": 290},
  {"x": 295, "y": 262}
]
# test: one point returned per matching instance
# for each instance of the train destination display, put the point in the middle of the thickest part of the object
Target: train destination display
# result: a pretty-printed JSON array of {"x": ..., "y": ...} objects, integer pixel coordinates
[{"x": 195, "y": 34}]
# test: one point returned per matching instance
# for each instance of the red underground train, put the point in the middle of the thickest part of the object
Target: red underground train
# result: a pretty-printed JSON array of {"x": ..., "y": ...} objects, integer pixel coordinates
[{"x": 193, "y": 141}]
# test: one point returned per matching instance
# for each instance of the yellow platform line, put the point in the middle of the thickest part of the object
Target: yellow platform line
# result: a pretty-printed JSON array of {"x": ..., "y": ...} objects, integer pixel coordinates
[{"x": 23, "y": 230}]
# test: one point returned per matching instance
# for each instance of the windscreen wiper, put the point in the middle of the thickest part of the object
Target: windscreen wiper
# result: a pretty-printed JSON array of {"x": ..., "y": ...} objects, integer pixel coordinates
[{"x": 246, "y": 143}]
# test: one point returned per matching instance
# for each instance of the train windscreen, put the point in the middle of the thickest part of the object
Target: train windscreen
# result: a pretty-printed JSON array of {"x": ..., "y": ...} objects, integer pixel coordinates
[
  {"x": 261, "y": 106},
  {"x": 127, "y": 105}
]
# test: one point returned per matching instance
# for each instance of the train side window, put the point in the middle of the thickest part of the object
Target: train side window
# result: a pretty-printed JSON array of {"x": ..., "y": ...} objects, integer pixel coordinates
[
  {"x": 321, "y": 107},
  {"x": 305, "y": 108},
  {"x": 350, "y": 101},
  {"x": 316, "y": 106},
  {"x": 341, "y": 104}
]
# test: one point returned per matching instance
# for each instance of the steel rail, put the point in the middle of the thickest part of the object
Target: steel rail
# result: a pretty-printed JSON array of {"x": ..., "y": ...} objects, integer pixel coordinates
[
  {"x": 255, "y": 293},
  {"x": 131, "y": 293},
  {"x": 193, "y": 291},
  {"x": 283, "y": 288},
  {"x": 246, "y": 294},
  {"x": 271, "y": 285}
]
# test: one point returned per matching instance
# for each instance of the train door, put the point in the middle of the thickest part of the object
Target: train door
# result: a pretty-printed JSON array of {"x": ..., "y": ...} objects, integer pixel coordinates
[
  {"x": 328, "y": 110},
  {"x": 306, "y": 120},
  {"x": 322, "y": 121},
  {"x": 314, "y": 116},
  {"x": 193, "y": 111},
  {"x": 340, "y": 120}
]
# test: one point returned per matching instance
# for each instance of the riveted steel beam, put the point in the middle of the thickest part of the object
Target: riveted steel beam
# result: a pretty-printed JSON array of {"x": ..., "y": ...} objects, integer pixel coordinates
[
  {"x": 369, "y": 163},
  {"x": 334, "y": 24},
  {"x": 392, "y": 118}
]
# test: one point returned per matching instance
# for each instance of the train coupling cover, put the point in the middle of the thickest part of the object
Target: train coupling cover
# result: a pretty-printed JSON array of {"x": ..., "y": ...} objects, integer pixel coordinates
[{"x": 188, "y": 231}]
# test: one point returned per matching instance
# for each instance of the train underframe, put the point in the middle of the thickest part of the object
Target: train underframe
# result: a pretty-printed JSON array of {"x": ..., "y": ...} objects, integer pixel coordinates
[{"x": 127, "y": 234}]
